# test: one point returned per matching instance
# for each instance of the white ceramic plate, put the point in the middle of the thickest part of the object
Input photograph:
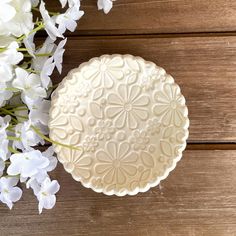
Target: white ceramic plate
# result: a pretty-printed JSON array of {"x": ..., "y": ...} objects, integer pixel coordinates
[{"x": 129, "y": 119}]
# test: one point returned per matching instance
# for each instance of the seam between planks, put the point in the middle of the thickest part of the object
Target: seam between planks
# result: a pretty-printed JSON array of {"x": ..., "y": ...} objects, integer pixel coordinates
[{"x": 147, "y": 35}]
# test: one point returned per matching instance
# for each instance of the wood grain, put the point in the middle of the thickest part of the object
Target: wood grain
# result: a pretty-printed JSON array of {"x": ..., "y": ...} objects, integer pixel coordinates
[
  {"x": 198, "y": 198},
  {"x": 204, "y": 67},
  {"x": 157, "y": 16}
]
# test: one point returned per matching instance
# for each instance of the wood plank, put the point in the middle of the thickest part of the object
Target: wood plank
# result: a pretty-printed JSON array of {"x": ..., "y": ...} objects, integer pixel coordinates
[
  {"x": 157, "y": 16},
  {"x": 211, "y": 146},
  {"x": 198, "y": 198},
  {"x": 204, "y": 67}
]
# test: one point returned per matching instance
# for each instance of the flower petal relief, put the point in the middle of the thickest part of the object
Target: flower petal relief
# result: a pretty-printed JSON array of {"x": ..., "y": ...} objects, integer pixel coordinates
[
  {"x": 76, "y": 163},
  {"x": 128, "y": 106},
  {"x": 103, "y": 71},
  {"x": 170, "y": 105},
  {"x": 116, "y": 163}
]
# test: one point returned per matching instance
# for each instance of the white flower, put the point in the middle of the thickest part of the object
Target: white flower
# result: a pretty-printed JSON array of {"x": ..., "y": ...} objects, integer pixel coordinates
[
  {"x": 105, "y": 5},
  {"x": 63, "y": 3},
  {"x": 27, "y": 164},
  {"x": 4, "y": 152},
  {"x": 9, "y": 193},
  {"x": 52, "y": 163},
  {"x": 11, "y": 55},
  {"x": 35, "y": 180},
  {"x": 34, "y": 185},
  {"x": 58, "y": 55},
  {"x": 2, "y": 166},
  {"x": 29, "y": 44},
  {"x": 49, "y": 22},
  {"x": 4, "y": 93},
  {"x": 68, "y": 20},
  {"x": 49, "y": 153},
  {"x": 29, "y": 84},
  {"x": 35, "y": 3},
  {"x": 6, "y": 40},
  {"x": 71, "y": 3},
  {"x": 8, "y": 58},
  {"x": 5, "y": 72},
  {"x": 28, "y": 137},
  {"x": 39, "y": 112},
  {"x": 7, "y": 12},
  {"x": 46, "y": 195},
  {"x": 46, "y": 71},
  {"x": 47, "y": 48},
  {"x": 22, "y": 22}
]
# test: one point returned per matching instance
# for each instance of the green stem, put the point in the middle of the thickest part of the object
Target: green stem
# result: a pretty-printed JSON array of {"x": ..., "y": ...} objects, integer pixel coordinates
[
  {"x": 39, "y": 27},
  {"x": 13, "y": 106},
  {"x": 11, "y": 149},
  {"x": 49, "y": 12},
  {"x": 9, "y": 113},
  {"x": 3, "y": 49},
  {"x": 22, "y": 50},
  {"x": 20, "y": 109},
  {"x": 12, "y": 89},
  {"x": 53, "y": 141},
  {"x": 12, "y": 138},
  {"x": 10, "y": 129},
  {"x": 39, "y": 55},
  {"x": 43, "y": 55},
  {"x": 25, "y": 65}
]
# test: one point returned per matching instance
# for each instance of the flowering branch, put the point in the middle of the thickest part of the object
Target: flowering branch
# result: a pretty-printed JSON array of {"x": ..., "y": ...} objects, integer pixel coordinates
[{"x": 25, "y": 87}]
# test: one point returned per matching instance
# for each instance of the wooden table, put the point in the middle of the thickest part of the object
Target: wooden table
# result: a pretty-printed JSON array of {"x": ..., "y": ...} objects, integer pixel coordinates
[{"x": 195, "y": 41}]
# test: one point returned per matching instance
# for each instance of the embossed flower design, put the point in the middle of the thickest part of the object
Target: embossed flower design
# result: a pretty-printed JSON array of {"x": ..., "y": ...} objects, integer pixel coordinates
[
  {"x": 102, "y": 72},
  {"x": 139, "y": 139},
  {"x": 104, "y": 129},
  {"x": 90, "y": 143},
  {"x": 170, "y": 105},
  {"x": 65, "y": 129},
  {"x": 83, "y": 89},
  {"x": 76, "y": 163},
  {"x": 175, "y": 137},
  {"x": 149, "y": 77},
  {"x": 153, "y": 126},
  {"x": 128, "y": 106},
  {"x": 69, "y": 103},
  {"x": 115, "y": 163}
]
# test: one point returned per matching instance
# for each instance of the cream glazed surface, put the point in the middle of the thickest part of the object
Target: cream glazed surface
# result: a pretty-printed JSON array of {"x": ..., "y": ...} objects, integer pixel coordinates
[{"x": 127, "y": 117}]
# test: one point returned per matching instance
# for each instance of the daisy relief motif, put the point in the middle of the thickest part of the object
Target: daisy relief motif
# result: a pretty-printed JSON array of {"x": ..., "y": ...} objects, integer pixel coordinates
[
  {"x": 128, "y": 106},
  {"x": 76, "y": 163},
  {"x": 116, "y": 162},
  {"x": 103, "y": 71},
  {"x": 170, "y": 105}
]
